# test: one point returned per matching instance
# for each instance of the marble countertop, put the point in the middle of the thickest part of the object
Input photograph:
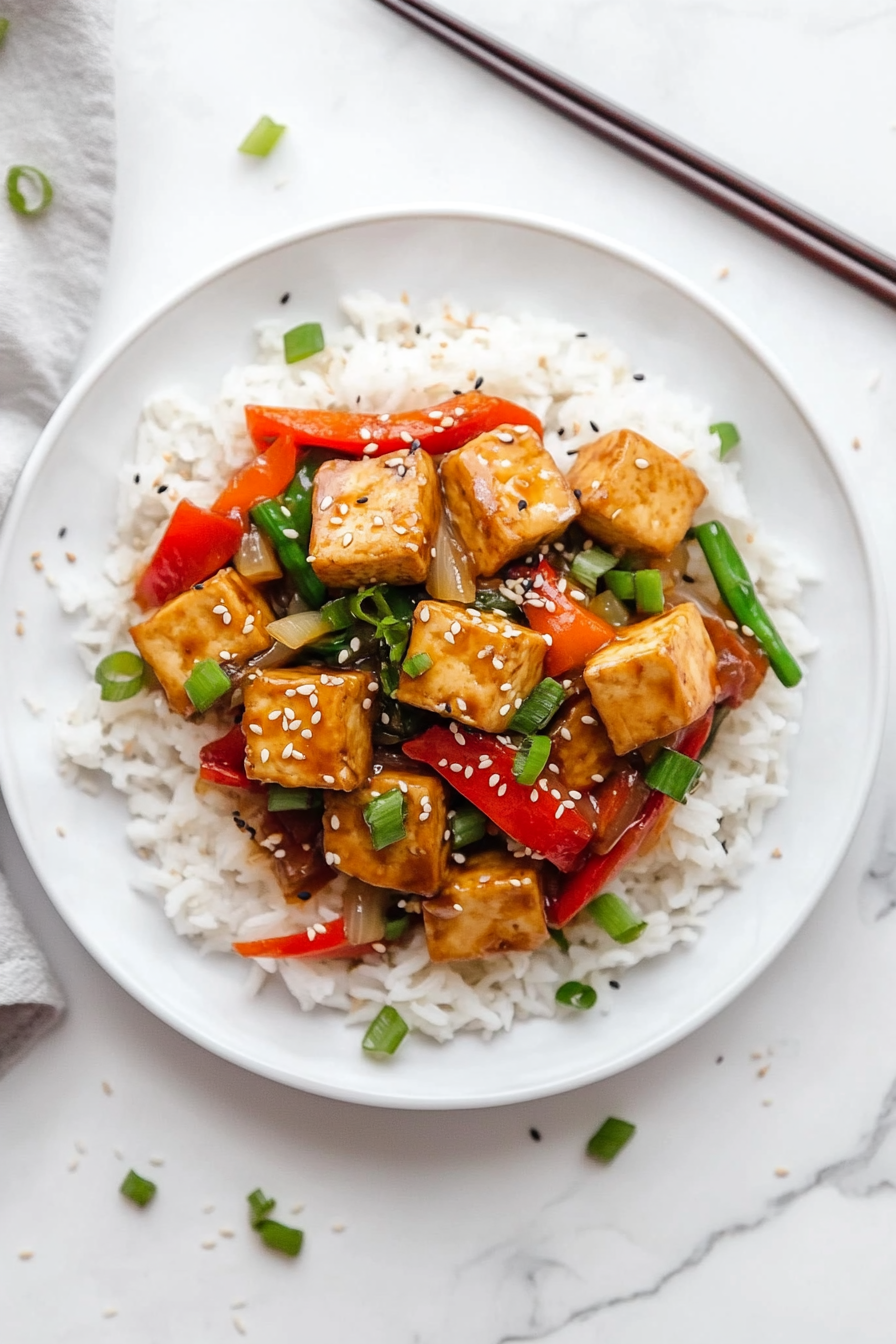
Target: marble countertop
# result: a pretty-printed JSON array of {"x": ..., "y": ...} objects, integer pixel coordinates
[{"x": 758, "y": 1198}]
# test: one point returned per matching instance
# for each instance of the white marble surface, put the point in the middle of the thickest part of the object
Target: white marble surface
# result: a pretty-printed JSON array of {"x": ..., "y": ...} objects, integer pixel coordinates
[{"x": 462, "y": 1227}]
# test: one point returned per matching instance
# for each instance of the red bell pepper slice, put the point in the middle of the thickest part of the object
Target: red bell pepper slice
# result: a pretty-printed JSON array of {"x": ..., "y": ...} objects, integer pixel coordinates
[
  {"x": 308, "y": 943},
  {"x": 589, "y": 881},
  {"x": 196, "y": 544},
  {"x": 223, "y": 762},
  {"x": 438, "y": 429},
  {"x": 480, "y": 768},
  {"x": 265, "y": 478},
  {"x": 575, "y": 631},
  {"x": 740, "y": 663}
]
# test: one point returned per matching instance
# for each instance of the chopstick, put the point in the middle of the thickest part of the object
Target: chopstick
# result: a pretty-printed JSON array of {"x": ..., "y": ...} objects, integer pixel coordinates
[{"x": 814, "y": 238}]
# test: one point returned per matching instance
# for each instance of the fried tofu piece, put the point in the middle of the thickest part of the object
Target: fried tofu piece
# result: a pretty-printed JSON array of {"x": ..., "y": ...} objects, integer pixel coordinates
[
  {"x": 308, "y": 728},
  {"x": 224, "y": 618},
  {"x": 635, "y": 494},
  {"x": 505, "y": 495},
  {"x": 494, "y": 903},
  {"x": 656, "y": 677},
  {"x": 375, "y": 520},
  {"x": 415, "y": 864},
  {"x": 580, "y": 745},
  {"x": 483, "y": 666}
]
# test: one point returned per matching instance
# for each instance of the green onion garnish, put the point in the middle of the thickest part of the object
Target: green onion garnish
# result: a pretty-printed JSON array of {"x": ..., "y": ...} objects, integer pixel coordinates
[
  {"x": 259, "y": 1206},
  {"x": 673, "y": 774},
  {"x": 539, "y": 708},
  {"x": 560, "y": 939},
  {"x": 736, "y": 587},
  {"x": 576, "y": 995},
  {"x": 395, "y": 928},
  {"x": 467, "y": 826},
  {"x": 338, "y": 613},
  {"x": 490, "y": 599},
  {"x": 36, "y": 182},
  {"x": 281, "y": 799},
  {"x": 616, "y": 918},
  {"x": 531, "y": 759},
  {"x": 4, "y": 29},
  {"x": 302, "y": 342},
  {"x": 610, "y": 1139},
  {"x": 385, "y": 817},
  {"x": 206, "y": 683},
  {"x": 293, "y": 556},
  {"x": 120, "y": 675},
  {"x": 385, "y": 1033},
  {"x": 649, "y": 597},
  {"x": 589, "y": 566},
  {"x": 416, "y": 666},
  {"x": 621, "y": 584},
  {"x": 262, "y": 138},
  {"x": 388, "y": 679},
  {"x": 138, "y": 1189},
  {"x": 729, "y": 437},
  {"x": 279, "y": 1237}
]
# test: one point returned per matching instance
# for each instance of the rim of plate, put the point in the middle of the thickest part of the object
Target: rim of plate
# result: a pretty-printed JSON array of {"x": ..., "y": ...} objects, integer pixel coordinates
[{"x": 879, "y": 634}]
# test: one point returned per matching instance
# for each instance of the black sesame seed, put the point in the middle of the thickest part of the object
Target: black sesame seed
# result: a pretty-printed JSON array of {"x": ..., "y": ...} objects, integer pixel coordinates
[
  {"x": 594, "y": 426},
  {"x": 137, "y": 479},
  {"x": 304, "y": 895},
  {"x": 571, "y": 452},
  {"x": 522, "y": 505},
  {"x": 362, "y": 500},
  {"x": 198, "y": 587},
  {"x": 614, "y": 984},
  {"x": 284, "y": 298},
  {"x": 535, "y": 1134},
  {"x": 581, "y": 334},
  {"x": 250, "y": 830},
  {"x": 417, "y": 328},
  {"x": 62, "y": 532},
  {"x": 719, "y": 1059},
  {"x": 577, "y": 493},
  {"x": 688, "y": 579},
  {"x": 561, "y": 431},
  {"x": 478, "y": 383},
  {"x": 414, "y": 447},
  {"x": 358, "y": 399},
  {"x": 638, "y": 377},
  {"x": 448, "y": 707},
  {"x": 457, "y": 392},
  {"x": 160, "y": 489}
]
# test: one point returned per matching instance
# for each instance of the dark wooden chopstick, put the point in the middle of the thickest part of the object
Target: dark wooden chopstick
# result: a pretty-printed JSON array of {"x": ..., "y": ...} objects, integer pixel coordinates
[{"x": 813, "y": 238}]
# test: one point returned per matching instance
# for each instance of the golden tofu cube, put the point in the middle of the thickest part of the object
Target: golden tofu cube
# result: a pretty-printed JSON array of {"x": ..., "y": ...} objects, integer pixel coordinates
[
  {"x": 656, "y": 677},
  {"x": 580, "y": 745},
  {"x": 306, "y": 728},
  {"x": 635, "y": 494},
  {"x": 224, "y": 618},
  {"x": 493, "y": 903},
  {"x": 505, "y": 495},
  {"x": 415, "y": 864},
  {"x": 483, "y": 666},
  {"x": 374, "y": 520}
]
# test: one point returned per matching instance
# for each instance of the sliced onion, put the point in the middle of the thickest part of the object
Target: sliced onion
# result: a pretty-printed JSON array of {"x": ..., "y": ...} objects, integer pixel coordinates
[
  {"x": 278, "y": 655},
  {"x": 452, "y": 577},
  {"x": 256, "y": 558},
  {"x": 302, "y": 627},
  {"x": 364, "y": 912},
  {"x": 609, "y": 608}
]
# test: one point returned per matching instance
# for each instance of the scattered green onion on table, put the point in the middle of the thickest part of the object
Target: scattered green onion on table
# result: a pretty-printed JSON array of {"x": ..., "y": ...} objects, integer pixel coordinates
[
  {"x": 610, "y": 1139},
  {"x": 138, "y": 1189},
  {"x": 276, "y": 1235},
  {"x": 262, "y": 138},
  {"x": 4, "y": 29},
  {"x": 38, "y": 184}
]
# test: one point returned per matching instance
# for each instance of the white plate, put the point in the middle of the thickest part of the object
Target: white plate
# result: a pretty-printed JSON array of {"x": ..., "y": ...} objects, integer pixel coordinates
[{"x": 499, "y": 262}]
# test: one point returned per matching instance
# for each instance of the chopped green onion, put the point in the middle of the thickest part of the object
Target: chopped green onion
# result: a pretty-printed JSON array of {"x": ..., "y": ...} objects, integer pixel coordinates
[
  {"x": 279, "y": 1237},
  {"x": 395, "y": 928},
  {"x": 649, "y": 597},
  {"x": 616, "y": 918},
  {"x": 36, "y": 182},
  {"x": 303, "y": 342},
  {"x": 338, "y": 613},
  {"x": 281, "y": 799},
  {"x": 290, "y": 552},
  {"x": 262, "y": 138},
  {"x": 385, "y": 1033},
  {"x": 492, "y": 599},
  {"x": 673, "y": 774},
  {"x": 531, "y": 759},
  {"x": 467, "y": 826},
  {"x": 416, "y": 666},
  {"x": 610, "y": 1139},
  {"x": 206, "y": 683},
  {"x": 576, "y": 995},
  {"x": 621, "y": 584},
  {"x": 120, "y": 675},
  {"x": 589, "y": 566},
  {"x": 736, "y": 587},
  {"x": 540, "y": 707},
  {"x": 138, "y": 1189},
  {"x": 259, "y": 1206},
  {"x": 560, "y": 939},
  {"x": 4, "y": 29},
  {"x": 729, "y": 437},
  {"x": 388, "y": 679},
  {"x": 385, "y": 816}
]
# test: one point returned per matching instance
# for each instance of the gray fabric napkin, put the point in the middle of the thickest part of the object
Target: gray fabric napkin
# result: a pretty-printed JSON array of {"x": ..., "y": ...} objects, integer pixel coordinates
[{"x": 56, "y": 114}]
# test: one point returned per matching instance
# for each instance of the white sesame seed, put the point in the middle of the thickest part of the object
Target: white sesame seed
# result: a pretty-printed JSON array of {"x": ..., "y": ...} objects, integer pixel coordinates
[
  {"x": 384, "y": 717},
  {"x": 342, "y": 656},
  {"x": 459, "y": 858},
  {"x": 747, "y": 631},
  {"x": 406, "y": 437},
  {"x": 265, "y": 755},
  {"x": 548, "y": 639},
  {"x": 411, "y": 546},
  {"x": 400, "y": 531},
  {"x": 615, "y": 514},
  {"x": 555, "y": 793},
  {"x": 448, "y": 637},
  {"x": 505, "y": 709},
  {"x": 504, "y": 438},
  {"x": 307, "y": 733},
  {"x": 255, "y": 728},
  {"x": 566, "y": 734},
  {"x": 289, "y": 712},
  {"x": 371, "y": 448},
  {"x": 279, "y": 853},
  {"x": 347, "y": 539},
  {"x": 455, "y": 627},
  {"x": 493, "y": 781},
  {"x": 219, "y": 610},
  {"x": 291, "y": 533},
  {"x": 366, "y": 703},
  {"x": 330, "y": 858},
  {"x": 373, "y": 685},
  {"x": 502, "y": 790},
  {"x": 587, "y": 718},
  {"x": 543, "y": 784},
  {"x": 497, "y": 663},
  {"x": 641, "y": 462},
  {"x": 424, "y": 614},
  {"x": 732, "y": 625},
  {"x": 533, "y": 796},
  {"x": 326, "y": 501},
  {"x": 291, "y": 692},
  {"x": 328, "y": 779},
  {"x": 574, "y": 793},
  {"x": 568, "y": 803},
  {"x": 459, "y": 738},
  {"x": 307, "y": 689},
  {"x": 455, "y": 768},
  {"x": 286, "y": 752},
  {"x": 462, "y": 705},
  {"x": 432, "y": 552},
  {"x": 559, "y": 813},
  {"x": 378, "y": 521},
  {"x": 364, "y": 433},
  {"x": 443, "y": 762},
  {"x": 598, "y": 779}
]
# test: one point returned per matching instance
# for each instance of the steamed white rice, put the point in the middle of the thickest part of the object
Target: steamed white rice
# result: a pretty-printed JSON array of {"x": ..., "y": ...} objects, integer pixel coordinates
[{"x": 211, "y": 882}]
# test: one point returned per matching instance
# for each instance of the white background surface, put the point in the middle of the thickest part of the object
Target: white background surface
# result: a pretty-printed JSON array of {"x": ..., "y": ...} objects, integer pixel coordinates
[{"x": 461, "y": 1227}]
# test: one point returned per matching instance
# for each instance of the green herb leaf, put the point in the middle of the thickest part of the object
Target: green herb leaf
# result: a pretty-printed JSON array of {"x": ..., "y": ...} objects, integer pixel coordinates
[
  {"x": 610, "y": 1139},
  {"x": 138, "y": 1189},
  {"x": 4, "y": 29},
  {"x": 262, "y": 138}
]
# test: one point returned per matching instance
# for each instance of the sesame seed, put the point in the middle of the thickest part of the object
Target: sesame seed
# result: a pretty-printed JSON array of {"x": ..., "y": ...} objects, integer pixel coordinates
[
  {"x": 502, "y": 790},
  {"x": 566, "y": 734},
  {"x": 401, "y": 531},
  {"x": 328, "y": 779},
  {"x": 587, "y": 718},
  {"x": 307, "y": 689},
  {"x": 732, "y": 625},
  {"x": 432, "y": 552},
  {"x": 424, "y": 614},
  {"x": 462, "y": 705},
  {"x": 347, "y": 539},
  {"x": 555, "y": 793},
  {"x": 291, "y": 533},
  {"x": 265, "y": 755},
  {"x": 316, "y": 716},
  {"x": 448, "y": 637},
  {"x": 455, "y": 768},
  {"x": 384, "y": 717},
  {"x": 342, "y": 656},
  {"x": 598, "y": 779},
  {"x": 364, "y": 433},
  {"x": 747, "y": 631},
  {"x": 443, "y": 762},
  {"x": 504, "y": 438},
  {"x": 275, "y": 714},
  {"x": 507, "y": 686},
  {"x": 366, "y": 703},
  {"x": 559, "y": 813},
  {"x": 406, "y": 437},
  {"x": 458, "y": 736},
  {"x": 279, "y": 853},
  {"x": 307, "y": 733},
  {"x": 498, "y": 663},
  {"x": 256, "y": 728},
  {"x": 533, "y": 796},
  {"x": 615, "y": 513},
  {"x": 459, "y": 858},
  {"x": 642, "y": 463},
  {"x": 505, "y": 709},
  {"x": 377, "y": 521},
  {"x": 286, "y": 752}
]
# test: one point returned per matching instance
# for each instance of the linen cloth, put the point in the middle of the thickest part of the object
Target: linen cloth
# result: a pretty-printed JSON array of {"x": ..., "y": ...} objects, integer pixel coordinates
[{"x": 57, "y": 114}]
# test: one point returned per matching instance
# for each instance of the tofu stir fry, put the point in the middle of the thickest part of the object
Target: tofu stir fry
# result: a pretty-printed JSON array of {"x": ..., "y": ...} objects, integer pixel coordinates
[{"x": 456, "y": 685}]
